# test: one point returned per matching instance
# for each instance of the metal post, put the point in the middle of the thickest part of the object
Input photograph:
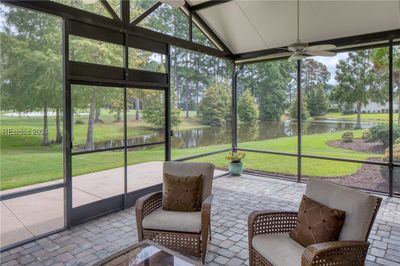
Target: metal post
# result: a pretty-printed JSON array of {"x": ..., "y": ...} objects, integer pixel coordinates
[
  {"x": 391, "y": 118},
  {"x": 126, "y": 76},
  {"x": 67, "y": 128},
  {"x": 125, "y": 12},
  {"x": 299, "y": 124},
  {"x": 167, "y": 99},
  {"x": 190, "y": 26},
  {"x": 234, "y": 108}
]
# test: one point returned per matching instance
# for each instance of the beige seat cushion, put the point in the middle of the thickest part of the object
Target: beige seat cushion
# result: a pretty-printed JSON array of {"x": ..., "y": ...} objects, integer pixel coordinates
[
  {"x": 279, "y": 249},
  {"x": 359, "y": 206},
  {"x": 173, "y": 221}
]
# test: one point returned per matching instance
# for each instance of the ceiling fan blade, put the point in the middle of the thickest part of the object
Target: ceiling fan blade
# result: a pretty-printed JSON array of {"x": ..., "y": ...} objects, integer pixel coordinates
[
  {"x": 296, "y": 57},
  {"x": 320, "y": 53},
  {"x": 321, "y": 47}
]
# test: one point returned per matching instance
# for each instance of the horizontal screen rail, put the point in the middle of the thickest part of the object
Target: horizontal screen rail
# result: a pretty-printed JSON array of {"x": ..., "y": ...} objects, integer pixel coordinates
[
  {"x": 202, "y": 155},
  {"x": 120, "y": 148},
  {"x": 31, "y": 191}
]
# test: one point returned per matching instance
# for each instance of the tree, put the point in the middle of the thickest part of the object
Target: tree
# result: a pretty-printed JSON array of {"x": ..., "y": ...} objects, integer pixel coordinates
[
  {"x": 154, "y": 110},
  {"x": 247, "y": 108},
  {"x": 272, "y": 85},
  {"x": 380, "y": 59},
  {"x": 316, "y": 101},
  {"x": 358, "y": 83},
  {"x": 314, "y": 85},
  {"x": 314, "y": 74},
  {"x": 215, "y": 107},
  {"x": 31, "y": 64},
  {"x": 304, "y": 110}
]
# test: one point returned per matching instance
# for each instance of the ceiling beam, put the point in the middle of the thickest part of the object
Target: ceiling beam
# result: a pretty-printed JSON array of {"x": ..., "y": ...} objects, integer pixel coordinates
[
  {"x": 209, "y": 4},
  {"x": 110, "y": 10},
  {"x": 146, "y": 13},
  {"x": 339, "y": 42},
  {"x": 205, "y": 26},
  {"x": 68, "y": 12}
]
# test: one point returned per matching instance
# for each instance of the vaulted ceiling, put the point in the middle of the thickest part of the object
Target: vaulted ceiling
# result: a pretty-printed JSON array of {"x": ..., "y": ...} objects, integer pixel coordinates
[{"x": 252, "y": 25}]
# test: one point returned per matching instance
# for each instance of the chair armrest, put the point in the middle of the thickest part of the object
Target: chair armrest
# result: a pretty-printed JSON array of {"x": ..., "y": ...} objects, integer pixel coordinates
[
  {"x": 271, "y": 222},
  {"x": 205, "y": 217},
  {"x": 206, "y": 211},
  {"x": 144, "y": 206},
  {"x": 335, "y": 253}
]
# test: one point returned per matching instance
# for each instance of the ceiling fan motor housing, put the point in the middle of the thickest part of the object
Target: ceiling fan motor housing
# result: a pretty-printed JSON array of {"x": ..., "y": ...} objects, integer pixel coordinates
[{"x": 298, "y": 46}]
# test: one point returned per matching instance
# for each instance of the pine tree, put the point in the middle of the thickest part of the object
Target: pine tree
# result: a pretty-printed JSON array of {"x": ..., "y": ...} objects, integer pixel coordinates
[{"x": 247, "y": 108}]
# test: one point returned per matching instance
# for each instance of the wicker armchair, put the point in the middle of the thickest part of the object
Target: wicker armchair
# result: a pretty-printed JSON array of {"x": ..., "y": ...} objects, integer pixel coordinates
[
  {"x": 186, "y": 232},
  {"x": 270, "y": 244}
]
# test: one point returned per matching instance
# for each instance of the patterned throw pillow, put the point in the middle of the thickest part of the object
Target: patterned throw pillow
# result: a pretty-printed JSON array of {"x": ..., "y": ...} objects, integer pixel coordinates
[
  {"x": 182, "y": 193},
  {"x": 317, "y": 223}
]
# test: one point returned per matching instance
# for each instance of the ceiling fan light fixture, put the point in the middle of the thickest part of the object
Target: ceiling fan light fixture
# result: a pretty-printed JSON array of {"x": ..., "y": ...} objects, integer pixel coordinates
[{"x": 174, "y": 3}]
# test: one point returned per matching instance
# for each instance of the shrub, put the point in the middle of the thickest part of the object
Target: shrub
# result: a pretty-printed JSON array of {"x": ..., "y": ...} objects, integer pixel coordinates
[
  {"x": 396, "y": 153},
  {"x": 215, "y": 107},
  {"x": 347, "y": 136},
  {"x": 381, "y": 132},
  {"x": 304, "y": 112},
  {"x": 366, "y": 135},
  {"x": 396, "y": 171},
  {"x": 397, "y": 141},
  {"x": 247, "y": 108}
]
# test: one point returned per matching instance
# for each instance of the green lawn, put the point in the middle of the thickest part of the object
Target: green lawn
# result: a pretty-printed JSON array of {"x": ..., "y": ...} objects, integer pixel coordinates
[
  {"x": 22, "y": 166},
  {"x": 384, "y": 117}
]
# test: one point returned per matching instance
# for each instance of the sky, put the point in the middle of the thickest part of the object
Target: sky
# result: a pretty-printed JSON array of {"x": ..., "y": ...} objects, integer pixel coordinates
[{"x": 330, "y": 63}]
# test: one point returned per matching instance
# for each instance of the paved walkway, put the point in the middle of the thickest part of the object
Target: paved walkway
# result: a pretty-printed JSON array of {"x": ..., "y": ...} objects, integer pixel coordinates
[
  {"x": 36, "y": 214},
  {"x": 235, "y": 198}
]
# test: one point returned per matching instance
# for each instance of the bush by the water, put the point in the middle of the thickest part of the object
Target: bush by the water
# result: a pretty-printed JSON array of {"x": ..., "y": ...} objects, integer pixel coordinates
[
  {"x": 248, "y": 108},
  {"x": 396, "y": 170},
  {"x": 347, "y": 136},
  {"x": 366, "y": 135},
  {"x": 381, "y": 132},
  {"x": 215, "y": 107}
]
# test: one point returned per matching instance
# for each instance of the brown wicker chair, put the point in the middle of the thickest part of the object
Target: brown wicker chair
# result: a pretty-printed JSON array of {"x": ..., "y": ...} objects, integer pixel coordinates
[
  {"x": 186, "y": 232},
  {"x": 270, "y": 244}
]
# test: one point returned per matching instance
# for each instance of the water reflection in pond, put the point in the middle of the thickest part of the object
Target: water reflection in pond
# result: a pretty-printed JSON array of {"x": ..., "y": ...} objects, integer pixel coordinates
[{"x": 199, "y": 137}]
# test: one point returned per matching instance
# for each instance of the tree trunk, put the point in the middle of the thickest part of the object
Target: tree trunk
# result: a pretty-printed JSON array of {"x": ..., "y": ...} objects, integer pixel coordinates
[
  {"x": 137, "y": 109},
  {"x": 187, "y": 90},
  {"x": 89, "y": 137},
  {"x": 97, "y": 119},
  {"x": 45, "y": 141},
  {"x": 359, "y": 105},
  {"x": 118, "y": 116},
  {"x": 58, "y": 129}
]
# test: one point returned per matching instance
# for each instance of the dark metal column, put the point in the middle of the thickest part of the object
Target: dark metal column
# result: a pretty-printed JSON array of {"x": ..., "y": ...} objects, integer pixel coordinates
[
  {"x": 167, "y": 99},
  {"x": 190, "y": 26},
  {"x": 234, "y": 108},
  {"x": 67, "y": 127},
  {"x": 391, "y": 118},
  {"x": 126, "y": 66},
  {"x": 299, "y": 124}
]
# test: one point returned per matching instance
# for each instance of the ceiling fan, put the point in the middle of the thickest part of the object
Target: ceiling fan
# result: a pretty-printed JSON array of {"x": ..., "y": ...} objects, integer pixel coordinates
[{"x": 301, "y": 50}]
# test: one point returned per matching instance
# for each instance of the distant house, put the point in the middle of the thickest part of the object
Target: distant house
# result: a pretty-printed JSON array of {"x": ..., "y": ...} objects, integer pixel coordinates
[{"x": 373, "y": 107}]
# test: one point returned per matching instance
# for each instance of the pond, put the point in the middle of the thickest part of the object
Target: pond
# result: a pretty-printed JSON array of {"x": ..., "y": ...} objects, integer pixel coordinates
[{"x": 199, "y": 137}]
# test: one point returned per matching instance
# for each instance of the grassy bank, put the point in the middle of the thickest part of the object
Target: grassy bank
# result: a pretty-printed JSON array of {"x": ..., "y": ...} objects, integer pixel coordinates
[
  {"x": 382, "y": 117},
  {"x": 25, "y": 165}
]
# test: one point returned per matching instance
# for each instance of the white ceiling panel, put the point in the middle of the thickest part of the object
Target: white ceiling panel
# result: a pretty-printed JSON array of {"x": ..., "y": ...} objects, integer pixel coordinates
[
  {"x": 233, "y": 27},
  {"x": 251, "y": 25}
]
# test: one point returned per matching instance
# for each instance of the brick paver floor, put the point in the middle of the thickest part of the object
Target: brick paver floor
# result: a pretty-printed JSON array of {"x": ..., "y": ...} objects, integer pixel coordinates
[{"x": 235, "y": 198}]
